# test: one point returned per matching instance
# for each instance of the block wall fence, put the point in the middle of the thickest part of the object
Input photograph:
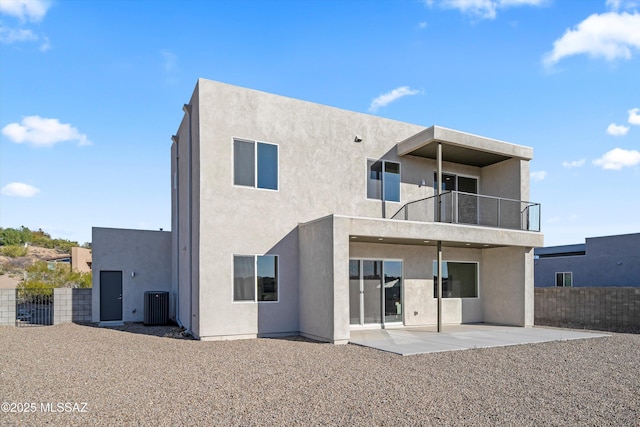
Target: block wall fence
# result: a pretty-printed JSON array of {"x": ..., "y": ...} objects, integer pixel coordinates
[
  {"x": 588, "y": 307},
  {"x": 69, "y": 305}
]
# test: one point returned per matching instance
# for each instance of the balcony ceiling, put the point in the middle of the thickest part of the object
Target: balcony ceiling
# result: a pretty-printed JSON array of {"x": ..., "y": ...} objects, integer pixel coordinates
[{"x": 460, "y": 147}]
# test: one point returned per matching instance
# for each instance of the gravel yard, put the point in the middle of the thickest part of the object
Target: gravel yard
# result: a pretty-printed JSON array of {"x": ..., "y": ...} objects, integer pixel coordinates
[{"x": 151, "y": 378}]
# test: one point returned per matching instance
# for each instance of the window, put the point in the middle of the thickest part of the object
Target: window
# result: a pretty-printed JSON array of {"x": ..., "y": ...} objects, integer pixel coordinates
[
  {"x": 255, "y": 278},
  {"x": 459, "y": 279},
  {"x": 564, "y": 279},
  {"x": 383, "y": 180},
  {"x": 255, "y": 164}
]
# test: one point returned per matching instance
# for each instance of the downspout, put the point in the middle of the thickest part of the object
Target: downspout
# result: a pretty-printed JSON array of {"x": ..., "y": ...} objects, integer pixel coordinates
[
  {"x": 174, "y": 138},
  {"x": 187, "y": 109},
  {"x": 439, "y": 219}
]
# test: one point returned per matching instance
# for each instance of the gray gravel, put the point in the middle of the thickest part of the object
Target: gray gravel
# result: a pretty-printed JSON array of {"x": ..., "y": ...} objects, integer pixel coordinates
[{"x": 134, "y": 378}]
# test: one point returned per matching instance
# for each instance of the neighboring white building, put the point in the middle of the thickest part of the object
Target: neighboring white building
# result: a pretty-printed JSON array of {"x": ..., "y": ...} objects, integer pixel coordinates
[{"x": 290, "y": 217}]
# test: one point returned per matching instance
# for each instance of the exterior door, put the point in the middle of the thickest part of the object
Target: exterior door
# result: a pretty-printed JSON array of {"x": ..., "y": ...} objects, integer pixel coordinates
[
  {"x": 375, "y": 292},
  {"x": 110, "y": 295},
  {"x": 461, "y": 206}
]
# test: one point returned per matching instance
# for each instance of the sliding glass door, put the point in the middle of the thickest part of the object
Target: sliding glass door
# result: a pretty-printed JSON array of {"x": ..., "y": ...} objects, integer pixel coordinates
[{"x": 375, "y": 292}]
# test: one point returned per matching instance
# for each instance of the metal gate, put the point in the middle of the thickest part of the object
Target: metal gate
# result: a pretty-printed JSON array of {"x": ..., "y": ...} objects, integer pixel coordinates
[{"x": 34, "y": 306}]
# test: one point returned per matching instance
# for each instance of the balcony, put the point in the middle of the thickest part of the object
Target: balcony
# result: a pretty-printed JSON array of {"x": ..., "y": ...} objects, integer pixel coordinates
[{"x": 457, "y": 207}]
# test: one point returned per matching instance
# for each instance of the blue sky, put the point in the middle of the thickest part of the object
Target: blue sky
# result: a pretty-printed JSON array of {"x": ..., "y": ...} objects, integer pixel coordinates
[{"x": 91, "y": 92}]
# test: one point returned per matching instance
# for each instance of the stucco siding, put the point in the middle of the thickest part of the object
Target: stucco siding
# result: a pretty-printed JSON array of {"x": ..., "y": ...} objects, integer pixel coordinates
[
  {"x": 144, "y": 257},
  {"x": 506, "y": 287}
]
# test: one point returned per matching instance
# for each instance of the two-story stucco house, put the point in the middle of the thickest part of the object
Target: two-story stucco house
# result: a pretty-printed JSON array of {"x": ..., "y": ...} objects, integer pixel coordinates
[{"x": 290, "y": 217}]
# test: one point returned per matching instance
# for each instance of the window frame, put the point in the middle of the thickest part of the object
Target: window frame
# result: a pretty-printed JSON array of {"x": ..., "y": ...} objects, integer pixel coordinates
[
  {"x": 564, "y": 281},
  {"x": 435, "y": 272},
  {"x": 255, "y": 278},
  {"x": 382, "y": 180},
  {"x": 457, "y": 175},
  {"x": 256, "y": 165}
]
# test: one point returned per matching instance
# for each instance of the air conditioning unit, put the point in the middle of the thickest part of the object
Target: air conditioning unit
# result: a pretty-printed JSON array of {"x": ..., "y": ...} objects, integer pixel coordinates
[{"x": 156, "y": 308}]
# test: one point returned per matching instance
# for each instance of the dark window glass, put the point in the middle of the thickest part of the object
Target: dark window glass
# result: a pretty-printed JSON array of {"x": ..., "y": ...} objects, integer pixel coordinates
[
  {"x": 267, "y": 277},
  {"x": 459, "y": 279},
  {"x": 564, "y": 279},
  {"x": 243, "y": 163},
  {"x": 374, "y": 180},
  {"x": 267, "y": 166},
  {"x": 244, "y": 284},
  {"x": 392, "y": 291},
  {"x": 383, "y": 180},
  {"x": 448, "y": 182},
  {"x": 391, "y": 181}
]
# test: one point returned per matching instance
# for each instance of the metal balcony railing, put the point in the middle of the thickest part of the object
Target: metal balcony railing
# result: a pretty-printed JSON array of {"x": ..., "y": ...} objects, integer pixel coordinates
[{"x": 457, "y": 207}]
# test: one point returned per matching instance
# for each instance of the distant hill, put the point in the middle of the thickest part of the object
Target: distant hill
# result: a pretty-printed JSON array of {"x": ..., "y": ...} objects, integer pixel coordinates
[{"x": 22, "y": 247}]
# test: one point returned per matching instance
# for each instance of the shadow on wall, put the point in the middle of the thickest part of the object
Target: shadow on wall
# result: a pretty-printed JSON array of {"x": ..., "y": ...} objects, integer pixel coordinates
[{"x": 283, "y": 315}]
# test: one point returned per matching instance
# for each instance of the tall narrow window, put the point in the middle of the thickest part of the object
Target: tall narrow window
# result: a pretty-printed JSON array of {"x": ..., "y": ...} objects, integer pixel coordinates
[
  {"x": 243, "y": 278},
  {"x": 255, "y": 278},
  {"x": 267, "y": 266},
  {"x": 383, "y": 180},
  {"x": 255, "y": 164},
  {"x": 267, "y": 166},
  {"x": 243, "y": 163}
]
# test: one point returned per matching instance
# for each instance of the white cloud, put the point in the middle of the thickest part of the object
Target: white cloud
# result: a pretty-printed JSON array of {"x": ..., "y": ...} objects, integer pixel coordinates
[
  {"x": 617, "y": 130},
  {"x": 611, "y": 36},
  {"x": 25, "y": 10},
  {"x": 9, "y": 35},
  {"x": 539, "y": 175},
  {"x": 422, "y": 25},
  {"x": 613, "y": 4},
  {"x": 618, "y": 158},
  {"x": 43, "y": 132},
  {"x": 574, "y": 163},
  {"x": 622, "y": 4},
  {"x": 634, "y": 116},
  {"x": 485, "y": 9},
  {"x": 19, "y": 189},
  {"x": 387, "y": 98}
]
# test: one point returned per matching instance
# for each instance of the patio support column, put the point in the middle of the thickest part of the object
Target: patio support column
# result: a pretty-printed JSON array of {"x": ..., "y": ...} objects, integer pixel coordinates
[{"x": 438, "y": 218}]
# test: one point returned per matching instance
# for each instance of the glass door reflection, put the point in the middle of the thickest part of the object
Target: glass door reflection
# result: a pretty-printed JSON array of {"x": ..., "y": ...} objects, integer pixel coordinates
[{"x": 375, "y": 292}]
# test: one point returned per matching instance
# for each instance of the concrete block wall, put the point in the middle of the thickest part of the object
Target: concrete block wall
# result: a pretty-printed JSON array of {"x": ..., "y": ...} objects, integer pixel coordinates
[
  {"x": 62, "y": 305},
  {"x": 597, "y": 308},
  {"x": 7, "y": 307},
  {"x": 81, "y": 305},
  {"x": 71, "y": 305}
]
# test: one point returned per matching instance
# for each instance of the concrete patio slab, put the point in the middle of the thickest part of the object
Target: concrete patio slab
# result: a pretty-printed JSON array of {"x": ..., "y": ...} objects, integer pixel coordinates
[{"x": 409, "y": 341}]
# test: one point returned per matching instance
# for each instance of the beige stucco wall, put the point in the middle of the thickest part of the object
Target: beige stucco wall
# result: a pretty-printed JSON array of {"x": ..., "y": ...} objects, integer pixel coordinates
[
  {"x": 322, "y": 171},
  {"x": 145, "y": 253},
  {"x": 81, "y": 259},
  {"x": 508, "y": 283}
]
